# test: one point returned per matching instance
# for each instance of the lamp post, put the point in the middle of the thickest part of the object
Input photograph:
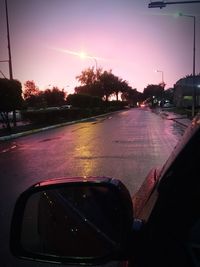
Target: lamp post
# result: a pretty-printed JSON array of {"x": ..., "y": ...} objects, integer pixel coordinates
[
  {"x": 95, "y": 62},
  {"x": 162, "y": 83},
  {"x": 193, "y": 64},
  {"x": 162, "y": 75}
]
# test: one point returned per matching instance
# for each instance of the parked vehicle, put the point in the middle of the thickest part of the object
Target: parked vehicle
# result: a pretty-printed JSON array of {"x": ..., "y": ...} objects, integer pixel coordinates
[
  {"x": 10, "y": 116},
  {"x": 95, "y": 220},
  {"x": 168, "y": 105}
]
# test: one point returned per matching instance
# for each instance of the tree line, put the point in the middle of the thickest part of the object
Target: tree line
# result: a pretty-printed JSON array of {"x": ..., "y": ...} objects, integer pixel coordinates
[
  {"x": 94, "y": 83},
  {"x": 97, "y": 86},
  {"x": 36, "y": 98}
]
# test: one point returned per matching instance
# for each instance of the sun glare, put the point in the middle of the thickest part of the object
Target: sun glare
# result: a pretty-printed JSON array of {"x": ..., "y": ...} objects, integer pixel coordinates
[{"x": 83, "y": 55}]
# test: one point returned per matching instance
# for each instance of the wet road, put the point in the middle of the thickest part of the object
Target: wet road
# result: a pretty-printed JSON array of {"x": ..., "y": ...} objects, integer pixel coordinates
[{"x": 124, "y": 145}]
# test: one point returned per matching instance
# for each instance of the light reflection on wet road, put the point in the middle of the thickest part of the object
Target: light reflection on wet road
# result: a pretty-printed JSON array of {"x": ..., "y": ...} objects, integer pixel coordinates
[{"x": 124, "y": 145}]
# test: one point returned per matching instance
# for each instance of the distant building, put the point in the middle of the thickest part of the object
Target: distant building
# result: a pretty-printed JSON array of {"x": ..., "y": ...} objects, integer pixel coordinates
[{"x": 183, "y": 91}]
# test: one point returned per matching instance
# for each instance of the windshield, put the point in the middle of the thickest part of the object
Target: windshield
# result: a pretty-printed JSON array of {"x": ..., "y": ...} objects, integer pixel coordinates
[{"x": 91, "y": 88}]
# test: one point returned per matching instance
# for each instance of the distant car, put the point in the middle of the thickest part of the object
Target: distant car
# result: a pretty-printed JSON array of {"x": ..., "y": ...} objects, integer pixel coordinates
[
  {"x": 168, "y": 105},
  {"x": 142, "y": 105}
]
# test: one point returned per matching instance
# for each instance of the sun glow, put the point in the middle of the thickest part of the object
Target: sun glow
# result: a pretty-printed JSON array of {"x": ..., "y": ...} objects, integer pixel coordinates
[{"x": 81, "y": 54}]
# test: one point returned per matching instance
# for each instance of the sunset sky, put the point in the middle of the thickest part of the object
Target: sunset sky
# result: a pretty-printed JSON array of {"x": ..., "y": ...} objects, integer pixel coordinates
[{"x": 123, "y": 35}]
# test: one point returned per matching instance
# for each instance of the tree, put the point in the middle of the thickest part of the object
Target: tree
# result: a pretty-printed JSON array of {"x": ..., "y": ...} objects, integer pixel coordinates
[
  {"x": 107, "y": 81},
  {"x": 169, "y": 94},
  {"x": 153, "y": 92},
  {"x": 112, "y": 84},
  {"x": 131, "y": 95},
  {"x": 94, "y": 89},
  {"x": 94, "y": 83},
  {"x": 30, "y": 89},
  {"x": 53, "y": 97},
  {"x": 89, "y": 76},
  {"x": 101, "y": 84},
  {"x": 84, "y": 101},
  {"x": 31, "y": 94},
  {"x": 10, "y": 98},
  {"x": 37, "y": 98}
]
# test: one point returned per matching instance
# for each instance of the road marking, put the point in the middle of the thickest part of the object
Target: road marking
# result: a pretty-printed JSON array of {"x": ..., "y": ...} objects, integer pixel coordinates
[{"x": 8, "y": 149}]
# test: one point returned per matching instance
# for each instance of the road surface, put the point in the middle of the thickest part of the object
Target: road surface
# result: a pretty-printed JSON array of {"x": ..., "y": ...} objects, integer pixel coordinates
[{"x": 123, "y": 145}]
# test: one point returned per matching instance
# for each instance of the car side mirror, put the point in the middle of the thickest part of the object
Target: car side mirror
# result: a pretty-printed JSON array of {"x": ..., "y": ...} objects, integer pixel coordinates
[{"x": 73, "y": 221}]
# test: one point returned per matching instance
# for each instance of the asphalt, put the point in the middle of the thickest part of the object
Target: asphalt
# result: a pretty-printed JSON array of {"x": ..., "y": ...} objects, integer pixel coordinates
[
  {"x": 32, "y": 131},
  {"x": 180, "y": 119}
]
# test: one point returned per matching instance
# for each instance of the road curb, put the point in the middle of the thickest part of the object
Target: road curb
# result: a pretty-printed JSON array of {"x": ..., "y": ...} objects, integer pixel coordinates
[
  {"x": 13, "y": 136},
  {"x": 180, "y": 119},
  {"x": 182, "y": 123}
]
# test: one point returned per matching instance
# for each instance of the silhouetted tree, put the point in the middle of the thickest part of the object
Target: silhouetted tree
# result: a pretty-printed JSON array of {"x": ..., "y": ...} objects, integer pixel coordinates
[
  {"x": 89, "y": 76},
  {"x": 169, "y": 94},
  {"x": 31, "y": 94},
  {"x": 84, "y": 101},
  {"x": 132, "y": 96},
  {"x": 30, "y": 89},
  {"x": 10, "y": 99},
  {"x": 40, "y": 99},
  {"x": 108, "y": 83},
  {"x": 100, "y": 83},
  {"x": 94, "y": 89},
  {"x": 53, "y": 97},
  {"x": 153, "y": 90}
]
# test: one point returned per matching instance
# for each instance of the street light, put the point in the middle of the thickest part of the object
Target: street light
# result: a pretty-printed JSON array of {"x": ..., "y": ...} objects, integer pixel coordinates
[
  {"x": 95, "y": 62},
  {"x": 162, "y": 75},
  {"x": 157, "y": 4},
  {"x": 194, "y": 58},
  {"x": 162, "y": 4}
]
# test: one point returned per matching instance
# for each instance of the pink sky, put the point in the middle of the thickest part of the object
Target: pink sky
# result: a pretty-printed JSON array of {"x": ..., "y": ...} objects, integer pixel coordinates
[{"x": 125, "y": 36}]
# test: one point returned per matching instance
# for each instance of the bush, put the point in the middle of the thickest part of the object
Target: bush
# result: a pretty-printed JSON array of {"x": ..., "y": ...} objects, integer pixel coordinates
[
  {"x": 47, "y": 117},
  {"x": 84, "y": 101},
  {"x": 88, "y": 107},
  {"x": 118, "y": 104}
]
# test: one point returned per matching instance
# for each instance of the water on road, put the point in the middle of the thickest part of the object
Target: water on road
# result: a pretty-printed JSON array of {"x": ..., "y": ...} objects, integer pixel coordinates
[{"x": 123, "y": 145}]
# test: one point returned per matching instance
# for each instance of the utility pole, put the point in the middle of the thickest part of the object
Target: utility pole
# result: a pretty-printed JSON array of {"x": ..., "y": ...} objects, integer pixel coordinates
[
  {"x": 8, "y": 38},
  {"x": 9, "y": 57}
]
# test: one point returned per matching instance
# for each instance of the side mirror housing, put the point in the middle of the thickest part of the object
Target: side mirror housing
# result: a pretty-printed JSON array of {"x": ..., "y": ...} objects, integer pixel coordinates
[{"x": 73, "y": 221}]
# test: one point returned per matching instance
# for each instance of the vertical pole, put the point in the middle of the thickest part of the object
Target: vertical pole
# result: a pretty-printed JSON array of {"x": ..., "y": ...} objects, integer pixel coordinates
[
  {"x": 193, "y": 72},
  {"x": 95, "y": 63},
  {"x": 8, "y": 37},
  {"x": 10, "y": 58}
]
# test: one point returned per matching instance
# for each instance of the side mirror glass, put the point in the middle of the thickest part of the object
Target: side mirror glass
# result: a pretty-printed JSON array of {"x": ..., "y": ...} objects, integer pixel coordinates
[{"x": 73, "y": 222}]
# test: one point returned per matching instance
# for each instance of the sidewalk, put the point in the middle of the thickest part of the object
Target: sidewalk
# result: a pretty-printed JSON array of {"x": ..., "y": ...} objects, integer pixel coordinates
[{"x": 170, "y": 115}]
